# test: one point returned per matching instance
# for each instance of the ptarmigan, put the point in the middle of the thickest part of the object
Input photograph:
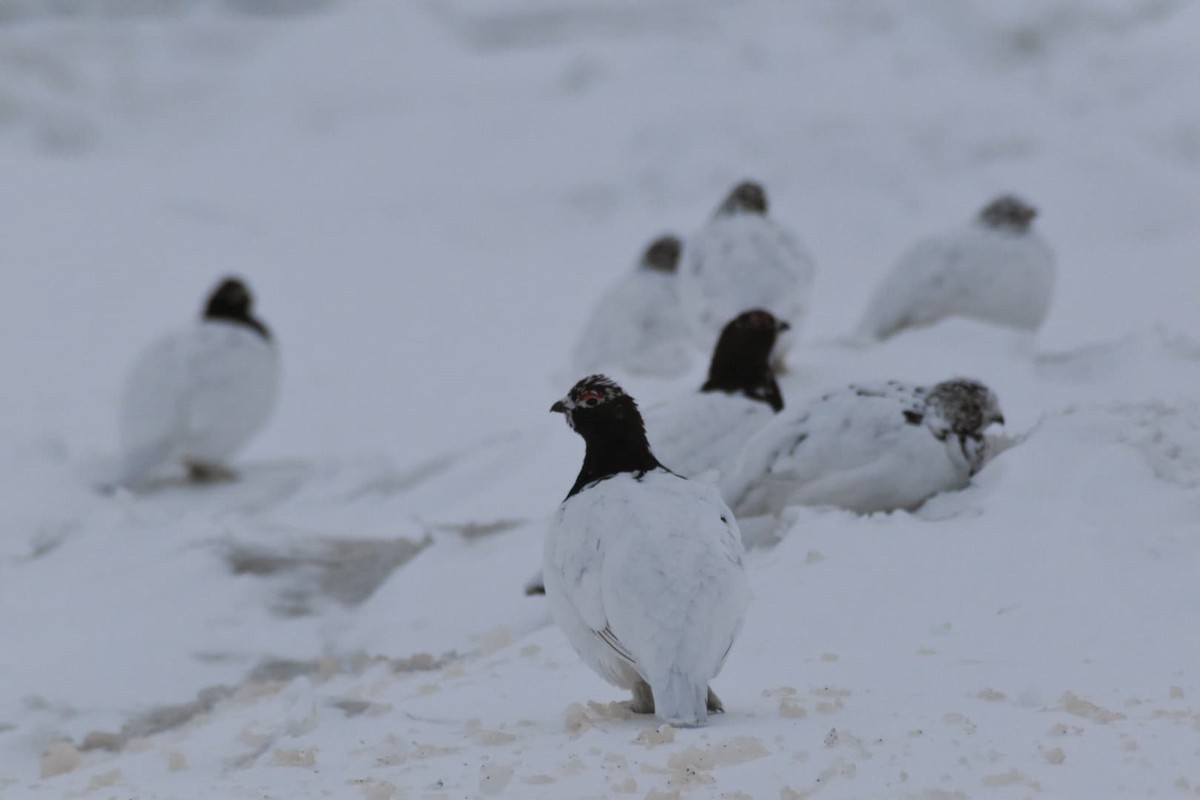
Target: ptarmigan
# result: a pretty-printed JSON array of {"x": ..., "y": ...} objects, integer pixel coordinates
[
  {"x": 643, "y": 568},
  {"x": 700, "y": 434},
  {"x": 743, "y": 259},
  {"x": 198, "y": 395},
  {"x": 996, "y": 269},
  {"x": 866, "y": 448},
  {"x": 638, "y": 324},
  {"x": 705, "y": 430}
]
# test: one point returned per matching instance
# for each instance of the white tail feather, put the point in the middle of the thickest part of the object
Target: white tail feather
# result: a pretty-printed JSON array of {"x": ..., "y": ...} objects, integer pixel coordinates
[{"x": 680, "y": 700}]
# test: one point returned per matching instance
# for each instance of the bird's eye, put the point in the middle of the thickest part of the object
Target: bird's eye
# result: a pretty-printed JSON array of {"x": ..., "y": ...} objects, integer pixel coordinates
[{"x": 589, "y": 399}]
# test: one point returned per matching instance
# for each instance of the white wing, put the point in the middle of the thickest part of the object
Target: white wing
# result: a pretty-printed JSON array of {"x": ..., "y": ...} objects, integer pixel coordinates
[
  {"x": 198, "y": 394},
  {"x": 703, "y": 431},
  {"x": 738, "y": 262},
  {"x": 638, "y": 325},
  {"x": 572, "y": 567},
  {"x": 864, "y": 449},
  {"x": 975, "y": 272}
]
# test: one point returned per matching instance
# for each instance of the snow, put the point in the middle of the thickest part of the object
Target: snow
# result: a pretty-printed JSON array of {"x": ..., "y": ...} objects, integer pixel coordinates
[{"x": 427, "y": 198}]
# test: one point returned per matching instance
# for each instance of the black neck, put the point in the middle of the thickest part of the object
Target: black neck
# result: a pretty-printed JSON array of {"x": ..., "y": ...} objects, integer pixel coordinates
[
  {"x": 239, "y": 318},
  {"x": 1007, "y": 225},
  {"x": 751, "y": 378},
  {"x": 613, "y": 453}
]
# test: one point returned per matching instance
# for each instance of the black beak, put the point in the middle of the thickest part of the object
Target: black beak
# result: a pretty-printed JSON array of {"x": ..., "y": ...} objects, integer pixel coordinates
[
  {"x": 783, "y": 326},
  {"x": 999, "y": 418},
  {"x": 559, "y": 408}
]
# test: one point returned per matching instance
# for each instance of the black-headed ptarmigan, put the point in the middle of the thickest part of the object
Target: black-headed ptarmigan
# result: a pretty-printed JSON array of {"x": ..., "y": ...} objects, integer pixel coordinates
[
  {"x": 705, "y": 430},
  {"x": 643, "y": 568},
  {"x": 198, "y": 395},
  {"x": 743, "y": 259},
  {"x": 700, "y": 434},
  {"x": 996, "y": 269},
  {"x": 638, "y": 324},
  {"x": 866, "y": 448}
]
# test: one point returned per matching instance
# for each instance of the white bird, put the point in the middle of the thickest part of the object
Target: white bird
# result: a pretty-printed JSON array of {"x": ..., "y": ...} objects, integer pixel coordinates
[
  {"x": 743, "y": 259},
  {"x": 700, "y": 434},
  {"x": 196, "y": 396},
  {"x": 643, "y": 568},
  {"x": 704, "y": 431},
  {"x": 638, "y": 324},
  {"x": 996, "y": 269},
  {"x": 866, "y": 448}
]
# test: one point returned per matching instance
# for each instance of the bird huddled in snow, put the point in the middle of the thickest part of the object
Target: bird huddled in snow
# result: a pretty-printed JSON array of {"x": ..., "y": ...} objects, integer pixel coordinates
[
  {"x": 705, "y": 430},
  {"x": 195, "y": 397},
  {"x": 866, "y": 448},
  {"x": 996, "y": 269},
  {"x": 638, "y": 325},
  {"x": 643, "y": 567},
  {"x": 743, "y": 259}
]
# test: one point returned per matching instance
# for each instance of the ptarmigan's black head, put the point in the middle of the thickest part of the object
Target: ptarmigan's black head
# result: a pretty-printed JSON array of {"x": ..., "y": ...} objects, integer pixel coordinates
[
  {"x": 612, "y": 428},
  {"x": 1008, "y": 213},
  {"x": 967, "y": 407},
  {"x": 663, "y": 254},
  {"x": 747, "y": 197},
  {"x": 231, "y": 301},
  {"x": 741, "y": 361}
]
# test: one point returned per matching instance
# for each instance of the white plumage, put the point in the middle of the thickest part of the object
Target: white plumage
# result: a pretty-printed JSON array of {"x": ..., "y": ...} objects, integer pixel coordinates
[
  {"x": 643, "y": 568},
  {"x": 703, "y": 432},
  {"x": 699, "y": 436},
  {"x": 638, "y": 323},
  {"x": 645, "y": 577},
  {"x": 195, "y": 397},
  {"x": 743, "y": 259},
  {"x": 866, "y": 448},
  {"x": 995, "y": 269}
]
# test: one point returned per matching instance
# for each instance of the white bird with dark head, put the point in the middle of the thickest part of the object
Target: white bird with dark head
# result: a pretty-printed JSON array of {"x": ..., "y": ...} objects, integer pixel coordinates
[
  {"x": 637, "y": 324},
  {"x": 866, "y": 448},
  {"x": 197, "y": 396},
  {"x": 643, "y": 568},
  {"x": 996, "y": 269},
  {"x": 701, "y": 432},
  {"x": 743, "y": 259}
]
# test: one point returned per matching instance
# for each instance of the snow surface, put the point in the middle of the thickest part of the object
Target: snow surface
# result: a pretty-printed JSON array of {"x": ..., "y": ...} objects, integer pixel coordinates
[{"x": 427, "y": 198}]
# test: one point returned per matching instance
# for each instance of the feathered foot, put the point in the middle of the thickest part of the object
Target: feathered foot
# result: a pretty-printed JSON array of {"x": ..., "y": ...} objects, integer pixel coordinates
[
  {"x": 209, "y": 473},
  {"x": 715, "y": 706},
  {"x": 643, "y": 699}
]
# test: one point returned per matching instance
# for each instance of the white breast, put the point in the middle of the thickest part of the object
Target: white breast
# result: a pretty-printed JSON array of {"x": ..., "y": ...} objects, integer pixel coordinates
[
  {"x": 739, "y": 262},
  {"x": 199, "y": 395},
  {"x": 977, "y": 272},
  {"x": 636, "y": 325},
  {"x": 703, "y": 431}
]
